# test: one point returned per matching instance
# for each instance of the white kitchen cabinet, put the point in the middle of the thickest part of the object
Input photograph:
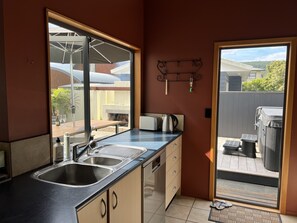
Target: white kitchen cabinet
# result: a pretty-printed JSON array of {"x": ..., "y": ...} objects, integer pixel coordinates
[
  {"x": 94, "y": 211},
  {"x": 173, "y": 169},
  {"x": 125, "y": 199},
  {"x": 123, "y": 206}
]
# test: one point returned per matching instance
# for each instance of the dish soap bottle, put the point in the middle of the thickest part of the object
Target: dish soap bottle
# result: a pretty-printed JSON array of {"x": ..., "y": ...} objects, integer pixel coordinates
[{"x": 58, "y": 151}]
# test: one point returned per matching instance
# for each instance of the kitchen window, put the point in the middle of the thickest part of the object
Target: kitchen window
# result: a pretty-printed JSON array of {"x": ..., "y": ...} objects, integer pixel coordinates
[{"x": 91, "y": 84}]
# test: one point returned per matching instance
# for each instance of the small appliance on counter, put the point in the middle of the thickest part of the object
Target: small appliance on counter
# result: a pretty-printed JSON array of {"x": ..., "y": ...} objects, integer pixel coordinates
[
  {"x": 150, "y": 123},
  {"x": 170, "y": 123}
]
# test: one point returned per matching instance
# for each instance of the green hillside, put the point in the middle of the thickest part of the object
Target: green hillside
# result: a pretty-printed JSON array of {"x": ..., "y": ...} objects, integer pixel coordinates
[{"x": 258, "y": 64}]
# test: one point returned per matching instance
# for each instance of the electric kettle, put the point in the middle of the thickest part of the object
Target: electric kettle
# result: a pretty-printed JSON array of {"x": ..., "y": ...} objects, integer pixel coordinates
[{"x": 170, "y": 122}]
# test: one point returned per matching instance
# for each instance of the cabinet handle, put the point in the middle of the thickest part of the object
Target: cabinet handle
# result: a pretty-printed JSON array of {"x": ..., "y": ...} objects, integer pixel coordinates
[
  {"x": 174, "y": 172},
  {"x": 105, "y": 208},
  {"x": 116, "y": 198},
  {"x": 175, "y": 157}
]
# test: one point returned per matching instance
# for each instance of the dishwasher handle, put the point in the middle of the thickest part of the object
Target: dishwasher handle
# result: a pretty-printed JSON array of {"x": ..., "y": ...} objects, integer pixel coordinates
[{"x": 156, "y": 164}]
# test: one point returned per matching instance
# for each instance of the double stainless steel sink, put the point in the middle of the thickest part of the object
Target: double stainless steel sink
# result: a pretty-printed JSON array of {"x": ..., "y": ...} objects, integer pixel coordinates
[
  {"x": 90, "y": 168},
  {"x": 72, "y": 173}
]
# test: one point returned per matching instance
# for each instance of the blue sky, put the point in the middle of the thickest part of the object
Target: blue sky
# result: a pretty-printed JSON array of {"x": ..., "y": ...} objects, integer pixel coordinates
[{"x": 268, "y": 53}]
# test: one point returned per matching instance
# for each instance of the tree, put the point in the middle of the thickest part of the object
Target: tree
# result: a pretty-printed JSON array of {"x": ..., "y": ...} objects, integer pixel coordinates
[
  {"x": 273, "y": 81},
  {"x": 254, "y": 85},
  {"x": 61, "y": 101}
]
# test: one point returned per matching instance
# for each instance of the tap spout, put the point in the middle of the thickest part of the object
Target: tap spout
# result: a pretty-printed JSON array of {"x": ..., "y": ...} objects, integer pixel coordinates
[{"x": 78, "y": 151}]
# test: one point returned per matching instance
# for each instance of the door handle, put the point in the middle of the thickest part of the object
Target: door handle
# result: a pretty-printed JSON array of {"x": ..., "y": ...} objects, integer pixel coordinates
[
  {"x": 105, "y": 208},
  {"x": 114, "y": 195}
]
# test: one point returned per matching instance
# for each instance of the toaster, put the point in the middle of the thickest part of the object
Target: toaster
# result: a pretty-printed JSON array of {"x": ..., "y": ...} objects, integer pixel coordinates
[{"x": 150, "y": 123}]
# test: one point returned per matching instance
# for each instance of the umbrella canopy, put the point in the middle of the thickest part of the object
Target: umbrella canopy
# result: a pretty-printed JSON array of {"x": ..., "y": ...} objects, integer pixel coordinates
[{"x": 64, "y": 42}]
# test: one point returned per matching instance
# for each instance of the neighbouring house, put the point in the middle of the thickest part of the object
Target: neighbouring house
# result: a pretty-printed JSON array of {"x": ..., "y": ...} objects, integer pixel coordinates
[{"x": 234, "y": 73}]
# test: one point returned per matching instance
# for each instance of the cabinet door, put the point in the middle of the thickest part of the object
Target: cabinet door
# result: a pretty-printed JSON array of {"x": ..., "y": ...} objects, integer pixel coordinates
[
  {"x": 125, "y": 199},
  {"x": 95, "y": 211},
  {"x": 173, "y": 169}
]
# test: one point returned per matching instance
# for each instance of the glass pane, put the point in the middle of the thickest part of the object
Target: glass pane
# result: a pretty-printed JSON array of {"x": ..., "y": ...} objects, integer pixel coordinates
[
  {"x": 110, "y": 88},
  {"x": 67, "y": 85},
  {"x": 251, "y": 107}
]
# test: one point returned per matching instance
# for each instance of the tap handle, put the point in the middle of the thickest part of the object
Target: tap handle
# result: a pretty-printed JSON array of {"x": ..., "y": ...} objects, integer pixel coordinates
[{"x": 92, "y": 144}]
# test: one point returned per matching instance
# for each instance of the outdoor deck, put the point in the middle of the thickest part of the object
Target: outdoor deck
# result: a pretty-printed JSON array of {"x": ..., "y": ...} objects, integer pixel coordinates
[
  {"x": 245, "y": 179},
  {"x": 241, "y": 164}
]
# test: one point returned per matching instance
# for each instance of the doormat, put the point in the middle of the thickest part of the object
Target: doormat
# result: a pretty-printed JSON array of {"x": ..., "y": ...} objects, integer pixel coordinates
[{"x": 236, "y": 214}]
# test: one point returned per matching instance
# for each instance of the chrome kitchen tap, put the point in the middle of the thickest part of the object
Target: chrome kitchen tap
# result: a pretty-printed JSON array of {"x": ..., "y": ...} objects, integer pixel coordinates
[{"x": 78, "y": 151}]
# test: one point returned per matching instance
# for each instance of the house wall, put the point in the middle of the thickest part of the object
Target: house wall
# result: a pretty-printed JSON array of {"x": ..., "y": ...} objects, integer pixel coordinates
[
  {"x": 234, "y": 83},
  {"x": 58, "y": 79},
  {"x": 188, "y": 29},
  {"x": 26, "y": 54}
]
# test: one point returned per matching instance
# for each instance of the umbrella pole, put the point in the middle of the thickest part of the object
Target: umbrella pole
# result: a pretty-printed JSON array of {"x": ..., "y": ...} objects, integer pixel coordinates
[{"x": 72, "y": 91}]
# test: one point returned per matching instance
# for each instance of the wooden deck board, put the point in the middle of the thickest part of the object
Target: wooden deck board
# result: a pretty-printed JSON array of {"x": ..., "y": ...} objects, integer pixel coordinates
[
  {"x": 248, "y": 192},
  {"x": 245, "y": 165},
  {"x": 234, "y": 163},
  {"x": 219, "y": 159},
  {"x": 251, "y": 166},
  {"x": 241, "y": 164},
  {"x": 226, "y": 160}
]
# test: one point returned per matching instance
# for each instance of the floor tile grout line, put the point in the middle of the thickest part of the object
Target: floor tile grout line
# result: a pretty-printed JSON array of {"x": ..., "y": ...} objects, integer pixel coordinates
[
  {"x": 191, "y": 209},
  {"x": 188, "y": 213},
  {"x": 177, "y": 218},
  {"x": 197, "y": 208}
]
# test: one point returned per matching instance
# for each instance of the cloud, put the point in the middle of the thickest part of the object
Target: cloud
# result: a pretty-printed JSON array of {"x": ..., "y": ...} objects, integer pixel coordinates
[
  {"x": 265, "y": 53},
  {"x": 271, "y": 57},
  {"x": 230, "y": 51},
  {"x": 277, "y": 47}
]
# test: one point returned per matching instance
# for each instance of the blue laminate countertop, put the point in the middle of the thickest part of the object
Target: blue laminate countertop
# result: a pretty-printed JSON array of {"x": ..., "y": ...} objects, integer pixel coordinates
[{"x": 24, "y": 199}]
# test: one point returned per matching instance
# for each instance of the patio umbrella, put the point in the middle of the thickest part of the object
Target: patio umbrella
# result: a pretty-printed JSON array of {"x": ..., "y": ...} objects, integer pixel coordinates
[
  {"x": 66, "y": 46},
  {"x": 62, "y": 48}
]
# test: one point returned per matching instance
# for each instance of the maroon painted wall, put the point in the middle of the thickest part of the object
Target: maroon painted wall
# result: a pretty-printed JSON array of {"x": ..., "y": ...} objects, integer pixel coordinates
[
  {"x": 173, "y": 29},
  {"x": 3, "y": 101},
  {"x": 188, "y": 29},
  {"x": 26, "y": 53}
]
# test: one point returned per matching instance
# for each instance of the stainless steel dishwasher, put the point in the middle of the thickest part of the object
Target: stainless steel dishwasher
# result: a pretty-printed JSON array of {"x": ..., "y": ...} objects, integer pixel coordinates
[{"x": 154, "y": 189}]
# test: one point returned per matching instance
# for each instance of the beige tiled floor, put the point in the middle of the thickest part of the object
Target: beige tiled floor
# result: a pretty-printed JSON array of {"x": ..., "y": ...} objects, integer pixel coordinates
[{"x": 190, "y": 210}]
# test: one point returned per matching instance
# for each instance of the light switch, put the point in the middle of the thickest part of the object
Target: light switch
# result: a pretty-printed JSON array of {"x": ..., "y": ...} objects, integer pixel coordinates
[{"x": 207, "y": 113}]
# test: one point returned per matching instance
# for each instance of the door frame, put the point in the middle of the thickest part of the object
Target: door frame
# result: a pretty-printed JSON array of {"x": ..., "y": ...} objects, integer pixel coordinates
[{"x": 289, "y": 96}]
